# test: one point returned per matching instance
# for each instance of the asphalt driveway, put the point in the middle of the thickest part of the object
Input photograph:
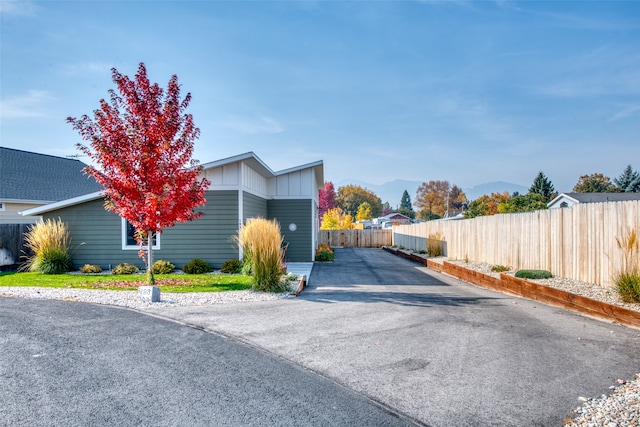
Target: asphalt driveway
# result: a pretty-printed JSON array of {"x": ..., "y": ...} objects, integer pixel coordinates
[
  {"x": 77, "y": 364},
  {"x": 432, "y": 347}
]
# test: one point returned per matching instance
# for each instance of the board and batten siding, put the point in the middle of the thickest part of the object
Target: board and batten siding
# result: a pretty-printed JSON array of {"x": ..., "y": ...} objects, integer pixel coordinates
[
  {"x": 299, "y": 212},
  {"x": 96, "y": 234}
]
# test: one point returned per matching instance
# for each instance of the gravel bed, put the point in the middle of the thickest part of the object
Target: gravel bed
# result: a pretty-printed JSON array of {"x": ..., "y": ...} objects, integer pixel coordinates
[
  {"x": 622, "y": 407},
  {"x": 132, "y": 300}
]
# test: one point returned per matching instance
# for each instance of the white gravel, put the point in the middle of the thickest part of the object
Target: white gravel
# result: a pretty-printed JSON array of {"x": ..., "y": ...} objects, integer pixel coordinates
[{"x": 132, "y": 300}]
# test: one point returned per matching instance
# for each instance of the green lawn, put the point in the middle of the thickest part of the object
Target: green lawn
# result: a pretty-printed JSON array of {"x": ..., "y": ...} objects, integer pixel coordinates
[{"x": 166, "y": 282}]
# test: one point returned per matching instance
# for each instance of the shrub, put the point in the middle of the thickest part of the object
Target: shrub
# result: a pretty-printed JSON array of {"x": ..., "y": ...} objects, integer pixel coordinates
[
  {"x": 628, "y": 285},
  {"x": 90, "y": 269},
  {"x": 324, "y": 253},
  {"x": 54, "y": 261},
  {"x": 534, "y": 274},
  {"x": 163, "y": 267},
  {"x": 499, "y": 268},
  {"x": 628, "y": 278},
  {"x": 262, "y": 244},
  {"x": 197, "y": 266},
  {"x": 48, "y": 242},
  {"x": 125, "y": 268},
  {"x": 434, "y": 244},
  {"x": 231, "y": 266}
]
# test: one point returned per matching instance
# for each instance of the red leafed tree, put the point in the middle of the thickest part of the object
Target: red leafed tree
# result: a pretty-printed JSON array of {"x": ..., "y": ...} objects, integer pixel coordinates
[
  {"x": 326, "y": 198},
  {"x": 142, "y": 142}
]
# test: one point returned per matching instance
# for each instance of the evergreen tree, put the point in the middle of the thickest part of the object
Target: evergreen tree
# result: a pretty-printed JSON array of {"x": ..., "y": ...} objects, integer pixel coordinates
[
  {"x": 543, "y": 186},
  {"x": 406, "y": 208},
  {"x": 628, "y": 181}
]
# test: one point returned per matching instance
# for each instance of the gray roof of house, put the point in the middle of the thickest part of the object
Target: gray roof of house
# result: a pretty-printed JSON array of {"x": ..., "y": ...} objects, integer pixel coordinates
[
  {"x": 603, "y": 197},
  {"x": 40, "y": 177}
]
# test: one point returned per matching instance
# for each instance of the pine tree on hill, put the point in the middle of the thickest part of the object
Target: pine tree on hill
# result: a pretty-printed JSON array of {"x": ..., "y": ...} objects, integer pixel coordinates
[{"x": 628, "y": 181}]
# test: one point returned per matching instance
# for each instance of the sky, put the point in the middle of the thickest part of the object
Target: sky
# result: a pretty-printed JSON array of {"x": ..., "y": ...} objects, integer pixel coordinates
[{"x": 465, "y": 91}]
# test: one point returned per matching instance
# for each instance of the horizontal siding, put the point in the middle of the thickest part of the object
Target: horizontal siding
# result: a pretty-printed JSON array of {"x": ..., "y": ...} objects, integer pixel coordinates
[
  {"x": 253, "y": 207},
  {"x": 299, "y": 242},
  {"x": 11, "y": 214},
  {"x": 96, "y": 234}
]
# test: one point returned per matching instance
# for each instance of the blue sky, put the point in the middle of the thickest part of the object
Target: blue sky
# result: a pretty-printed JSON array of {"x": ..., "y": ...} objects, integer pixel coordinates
[{"x": 467, "y": 91}]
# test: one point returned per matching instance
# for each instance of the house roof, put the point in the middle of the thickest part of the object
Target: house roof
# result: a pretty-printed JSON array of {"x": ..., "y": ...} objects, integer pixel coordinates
[
  {"x": 250, "y": 158},
  {"x": 259, "y": 166},
  {"x": 41, "y": 178},
  {"x": 595, "y": 197}
]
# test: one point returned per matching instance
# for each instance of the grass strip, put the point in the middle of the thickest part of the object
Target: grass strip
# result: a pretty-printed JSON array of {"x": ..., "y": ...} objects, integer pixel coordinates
[{"x": 166, "y": 282}]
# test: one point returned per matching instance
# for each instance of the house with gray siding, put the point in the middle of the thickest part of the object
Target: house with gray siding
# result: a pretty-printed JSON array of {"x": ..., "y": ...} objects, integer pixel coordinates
[{"x": 242, "y": 187}]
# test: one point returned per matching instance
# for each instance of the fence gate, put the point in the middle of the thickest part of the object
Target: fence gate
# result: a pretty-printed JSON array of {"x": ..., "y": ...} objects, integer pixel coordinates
[{"x": 355, "y": 238}]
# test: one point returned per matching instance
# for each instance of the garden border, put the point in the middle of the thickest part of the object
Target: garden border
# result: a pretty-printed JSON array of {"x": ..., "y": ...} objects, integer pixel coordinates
[{"x": 530, "y": 290}]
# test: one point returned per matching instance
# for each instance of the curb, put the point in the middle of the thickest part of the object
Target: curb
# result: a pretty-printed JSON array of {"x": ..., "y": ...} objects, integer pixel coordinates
[{"x": 532, "y": 291}]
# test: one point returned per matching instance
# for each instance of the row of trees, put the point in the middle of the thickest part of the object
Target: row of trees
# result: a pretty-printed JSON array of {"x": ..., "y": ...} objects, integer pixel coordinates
[{"x": 439, "y": 199}]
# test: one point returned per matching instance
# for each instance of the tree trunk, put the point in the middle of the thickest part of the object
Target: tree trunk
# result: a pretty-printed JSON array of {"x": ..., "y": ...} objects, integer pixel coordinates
[{"x": 151, "y": 280}]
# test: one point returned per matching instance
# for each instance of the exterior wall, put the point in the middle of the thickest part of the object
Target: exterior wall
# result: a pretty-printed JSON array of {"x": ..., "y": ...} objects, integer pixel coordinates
[
  {"x": 295, "y": 184},
  {"x": 253, "y": 207},
  {"x": 298, "y": 212},
  {"x": 97, "y": 234},
  {"x": 11, "y": 215}
]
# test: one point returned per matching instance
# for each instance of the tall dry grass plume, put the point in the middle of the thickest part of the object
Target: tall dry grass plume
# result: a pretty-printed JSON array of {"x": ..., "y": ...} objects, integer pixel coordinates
[
  {"x": 628, "y": 278},
  {"x": 262, "y": 247},
  {"x": 434, "y": 244},
  {"x": 49, "y": 244}
]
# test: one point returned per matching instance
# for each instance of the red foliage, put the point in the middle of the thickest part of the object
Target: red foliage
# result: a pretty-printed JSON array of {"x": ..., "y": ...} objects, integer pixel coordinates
[
  {"x": 326, "y": 198},
  {"x": 142, "y": 143}
]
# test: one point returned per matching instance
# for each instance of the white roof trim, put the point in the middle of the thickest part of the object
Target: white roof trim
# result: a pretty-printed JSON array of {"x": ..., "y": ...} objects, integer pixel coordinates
[
  {"x": 62, "y": 204},
  {"x": 299, "y": 168},
  {"x": 562, "y": 196}
]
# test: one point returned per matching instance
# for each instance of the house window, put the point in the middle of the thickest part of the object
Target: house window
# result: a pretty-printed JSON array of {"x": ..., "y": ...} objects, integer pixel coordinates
[
  {"x": 564, "y": 205},
  {"x": 1, "y": 207},
  {"x": 129, "y": 240}
]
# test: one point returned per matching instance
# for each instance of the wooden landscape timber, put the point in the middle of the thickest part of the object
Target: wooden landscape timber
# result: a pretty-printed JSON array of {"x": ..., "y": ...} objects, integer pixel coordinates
[{"x": 532, "y": 291}]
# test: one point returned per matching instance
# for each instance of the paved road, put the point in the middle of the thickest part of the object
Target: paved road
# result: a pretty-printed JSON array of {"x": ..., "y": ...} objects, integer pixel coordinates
[
  {"x": 443, "y": 352},
  {"x": 75, "y": 364}
]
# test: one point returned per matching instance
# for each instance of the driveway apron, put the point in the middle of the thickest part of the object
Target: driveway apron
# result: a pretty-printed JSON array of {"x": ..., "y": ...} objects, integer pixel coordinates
[{"x": 436, "y": 349}]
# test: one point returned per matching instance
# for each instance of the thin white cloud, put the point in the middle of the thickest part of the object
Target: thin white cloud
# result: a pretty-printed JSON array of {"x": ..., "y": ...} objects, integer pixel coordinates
[
  {"x": 262, "y": 124},
  {"x": 25, "y": 106},
  {"x": 626, "y": 112},
  {"x": 17, "y": 7},
  {"x": 87, "y": 68}
]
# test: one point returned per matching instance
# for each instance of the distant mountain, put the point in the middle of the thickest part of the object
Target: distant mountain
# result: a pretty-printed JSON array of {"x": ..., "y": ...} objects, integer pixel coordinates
[
  {"x": 392, "y": 191},
  {"x": 493, "y": 187}
]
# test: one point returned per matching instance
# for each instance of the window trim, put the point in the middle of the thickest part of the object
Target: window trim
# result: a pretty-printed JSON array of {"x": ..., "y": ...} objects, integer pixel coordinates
[{"x": 127, "y": 247}]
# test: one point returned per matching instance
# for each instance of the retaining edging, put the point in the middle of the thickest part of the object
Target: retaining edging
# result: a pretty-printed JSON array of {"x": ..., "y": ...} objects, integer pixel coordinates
[{"x": 533, "y": 291}]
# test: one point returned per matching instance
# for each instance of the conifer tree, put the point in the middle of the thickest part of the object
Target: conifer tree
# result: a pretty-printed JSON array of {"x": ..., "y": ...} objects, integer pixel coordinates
[
  {"x": 628, "y": 181},
  {"x": 543, "y": 186}
]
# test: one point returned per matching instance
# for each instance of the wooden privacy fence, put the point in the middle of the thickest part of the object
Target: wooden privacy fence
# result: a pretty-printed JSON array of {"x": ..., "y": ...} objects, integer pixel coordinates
[
  {"x": 12, "y": 243},
  {"x": 577, "y": 242},
  {"x": 355, "y": 238}
]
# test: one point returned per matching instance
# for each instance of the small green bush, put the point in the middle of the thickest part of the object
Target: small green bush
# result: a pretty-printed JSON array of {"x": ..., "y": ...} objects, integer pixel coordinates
[
  {"x": 534, "y": 274},
  {"x": 324, "y": 253},
  {"x": 499, "y": 268},
  {"x": 90, "y": 269},
  {"x": 197, "y": 266},
  {"x": 125, "y": 268},
  {"x": 628, "y": 285},
  {"x": 163, "y": 267},
  {"x": 53, "y": 261},
  {"x": 231, "y": 266}
]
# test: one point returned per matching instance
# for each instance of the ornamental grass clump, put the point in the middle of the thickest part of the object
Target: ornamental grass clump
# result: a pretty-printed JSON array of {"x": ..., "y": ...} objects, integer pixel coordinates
[
  {"x": 434, "y": 244},
  {"x": 628, "y": 278},
  {"x": 48, "y": 242},
  {"x": 262, "y": 246}
]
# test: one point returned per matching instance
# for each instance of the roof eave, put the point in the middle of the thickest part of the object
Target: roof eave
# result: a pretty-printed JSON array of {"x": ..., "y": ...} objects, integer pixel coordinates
[{"x": 62, "y": 204}]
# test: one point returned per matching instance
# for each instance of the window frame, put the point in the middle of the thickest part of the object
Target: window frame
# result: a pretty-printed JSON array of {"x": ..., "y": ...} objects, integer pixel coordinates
[{"x": 124, "y": 224}]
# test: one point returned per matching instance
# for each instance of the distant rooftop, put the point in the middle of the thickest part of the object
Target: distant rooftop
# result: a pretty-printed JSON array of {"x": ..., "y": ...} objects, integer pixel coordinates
[
  {"x": 603, "y": 197},
  {"x": 40, "y": 177}
]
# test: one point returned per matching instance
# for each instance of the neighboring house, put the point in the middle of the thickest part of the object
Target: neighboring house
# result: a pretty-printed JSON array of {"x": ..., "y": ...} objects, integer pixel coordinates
[
  {"x": 242, "y": 187},
  {"x": 566, "y": 200},
  {"x": 28, "y": 180}
]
